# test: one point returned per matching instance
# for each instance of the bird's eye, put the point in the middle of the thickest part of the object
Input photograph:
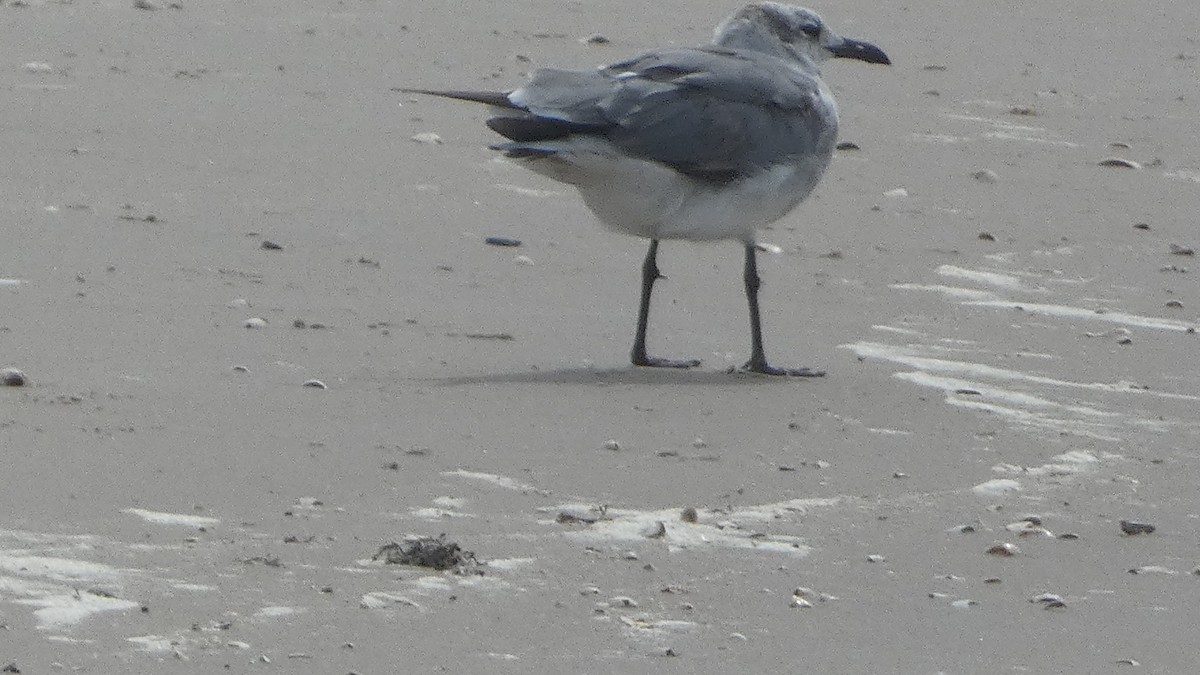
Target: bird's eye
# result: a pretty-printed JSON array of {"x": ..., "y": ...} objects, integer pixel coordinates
[{"x": 811, "y": 30}]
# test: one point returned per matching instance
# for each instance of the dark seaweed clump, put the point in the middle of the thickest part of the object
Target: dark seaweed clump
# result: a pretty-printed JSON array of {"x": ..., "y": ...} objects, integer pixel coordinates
[{"x": 433, "y": 552}]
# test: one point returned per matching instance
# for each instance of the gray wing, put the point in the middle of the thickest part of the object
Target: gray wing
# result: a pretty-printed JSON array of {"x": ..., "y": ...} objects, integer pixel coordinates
[{"x": 708, "y": 112}]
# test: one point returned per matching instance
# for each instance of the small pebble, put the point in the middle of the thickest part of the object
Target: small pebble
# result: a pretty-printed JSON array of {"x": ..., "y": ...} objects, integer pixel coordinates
[
  {"x": 1131, "y": 527},
  {"x": 1176, "y": 249},
  {"x": 271, "y": 246},
  {"x": 255, "y": 323},
  {"x": 523, "y": 260},
  {"x": 848, "y": 145},
  {"x": 623, "y": 601},
  {"x": 656, "y": 531},
  {"x": 986, "y": 236},
  {"x": 801, "y": 597},
  {"x": 1119, "y": 162},
  {"x": 875, "y": 558},
  {"x": 11, "y": 377},
  {"x": 689, "y": 515},
  {"x": 1141, "y": 226},
  {"x": 1049, "y": 601},
  {"x": 611, "y": 444},
  {"x": 596, "y": 39},
  {"x": 1027, "y": 528},
  {"x": 964, "y": 603},
  {"x": 985, "y": 176},
  {"x": 501, "y": 241},
  {"x": 997, "y": 487},
  {"x": 427, "y": 138},
  {"x": 1153, "y": 569},
  {"x": 896, "y": 193},
  {"x": 1004, "y": 550},
  {"x": 315, "y": 384}
]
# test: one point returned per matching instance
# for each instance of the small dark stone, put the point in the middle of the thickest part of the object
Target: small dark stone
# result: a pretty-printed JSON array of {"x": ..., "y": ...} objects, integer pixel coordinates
[
  {"x": 1131, "y": 527},
  {"x": 848, "y": 145},
  {"x": 502, "y": 241},
  {"x": 11, "y": 377},
  {"x": 271, "y": 246},
  {"x": 986, "y": 236}
]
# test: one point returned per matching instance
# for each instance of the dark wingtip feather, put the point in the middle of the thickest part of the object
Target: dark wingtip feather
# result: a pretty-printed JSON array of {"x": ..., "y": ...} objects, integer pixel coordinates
[
  {"x": 531, "y": 128},
  {"x": 518, "y": 151},
  {"x": 496, "y": 98}
]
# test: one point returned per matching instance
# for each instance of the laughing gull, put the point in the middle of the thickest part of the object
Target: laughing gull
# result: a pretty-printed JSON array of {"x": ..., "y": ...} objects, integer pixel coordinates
[{"x": 707, "y": 143}]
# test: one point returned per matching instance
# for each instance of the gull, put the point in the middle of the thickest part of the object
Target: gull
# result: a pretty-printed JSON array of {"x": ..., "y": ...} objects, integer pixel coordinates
[{"x": 704, "y": 144}]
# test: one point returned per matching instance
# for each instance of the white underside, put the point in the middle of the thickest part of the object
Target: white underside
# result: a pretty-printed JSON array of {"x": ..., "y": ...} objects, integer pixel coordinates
[{"x": 652, "y": 200}]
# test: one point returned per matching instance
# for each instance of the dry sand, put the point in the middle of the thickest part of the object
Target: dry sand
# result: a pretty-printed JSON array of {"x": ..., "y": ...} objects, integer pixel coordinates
[{"x": 164, "y": 512}]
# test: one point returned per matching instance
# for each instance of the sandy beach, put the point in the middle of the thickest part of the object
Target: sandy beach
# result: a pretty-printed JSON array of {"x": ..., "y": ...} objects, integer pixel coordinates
[{"x": 1000, "y": 281}]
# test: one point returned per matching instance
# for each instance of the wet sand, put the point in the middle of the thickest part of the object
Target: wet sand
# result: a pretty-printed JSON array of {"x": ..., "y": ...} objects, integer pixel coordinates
[{"x": 999, "y": 346}]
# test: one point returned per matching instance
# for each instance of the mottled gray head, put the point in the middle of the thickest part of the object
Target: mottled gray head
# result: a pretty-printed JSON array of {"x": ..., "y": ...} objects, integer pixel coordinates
[{"x": 788, "y": 31}]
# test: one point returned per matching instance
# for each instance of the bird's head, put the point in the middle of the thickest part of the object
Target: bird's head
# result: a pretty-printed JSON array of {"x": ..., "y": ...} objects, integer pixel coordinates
[{"x": 786, "y": 30}]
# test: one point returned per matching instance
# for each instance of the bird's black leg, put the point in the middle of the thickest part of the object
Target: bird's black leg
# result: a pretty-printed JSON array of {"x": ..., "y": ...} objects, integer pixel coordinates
[
  {"x": 758, "y": 359},
  {"x": 650, "y": 274}
]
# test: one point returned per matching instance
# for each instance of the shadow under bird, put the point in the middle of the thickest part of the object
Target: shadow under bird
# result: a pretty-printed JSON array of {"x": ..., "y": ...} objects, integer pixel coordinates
[{"x": 704, "y": 143}]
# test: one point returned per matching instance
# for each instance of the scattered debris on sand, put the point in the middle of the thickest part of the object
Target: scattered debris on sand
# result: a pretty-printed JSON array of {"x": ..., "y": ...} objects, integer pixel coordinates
[{"x": 434, "y": 552}]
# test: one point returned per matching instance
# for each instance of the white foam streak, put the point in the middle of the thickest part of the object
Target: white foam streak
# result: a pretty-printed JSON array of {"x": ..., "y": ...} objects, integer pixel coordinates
[
  {"x": 1069, "y": 312},
  {"x": 160, "y": 518},
  {"x": 1006, "y": 281}
]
